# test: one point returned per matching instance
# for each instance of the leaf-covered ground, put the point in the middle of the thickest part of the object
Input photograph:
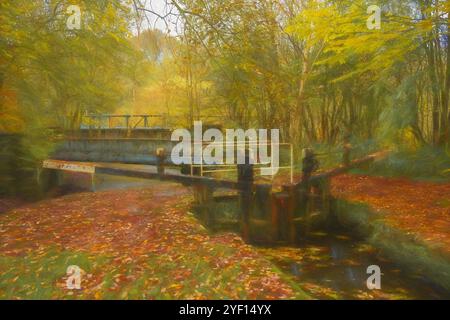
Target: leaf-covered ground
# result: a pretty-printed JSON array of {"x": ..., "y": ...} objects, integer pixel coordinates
[
  {"x": 419, "y": 208},
  {"x": 133, "y": 244},
  {"x": 8, "y": 204}
]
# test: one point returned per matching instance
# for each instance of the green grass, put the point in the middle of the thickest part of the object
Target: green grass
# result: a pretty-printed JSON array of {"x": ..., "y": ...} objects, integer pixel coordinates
[
  {"x": 425, "y": 164},
  {"x": 443, "y": 203},
  {"x": 42, "y": 277},
  {"x": 35, "y": 276}
]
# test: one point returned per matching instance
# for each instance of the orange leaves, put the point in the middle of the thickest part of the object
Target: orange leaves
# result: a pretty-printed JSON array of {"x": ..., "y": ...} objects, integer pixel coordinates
[{"x": 151, "y": 248}]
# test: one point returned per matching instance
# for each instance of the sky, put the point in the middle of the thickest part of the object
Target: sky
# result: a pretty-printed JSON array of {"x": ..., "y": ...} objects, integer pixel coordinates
[{"x": 160, "y": 7}]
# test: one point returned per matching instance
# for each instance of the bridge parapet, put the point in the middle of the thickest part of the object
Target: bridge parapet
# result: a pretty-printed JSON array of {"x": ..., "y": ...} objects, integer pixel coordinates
[
  {"x": 155, "y": 133},
  {"x": 132, "y": 151}
]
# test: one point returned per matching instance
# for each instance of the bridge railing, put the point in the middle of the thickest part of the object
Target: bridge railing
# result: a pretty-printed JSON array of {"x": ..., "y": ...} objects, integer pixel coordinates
[
  {"x": 203, "y": 169},
  {"x": 129, "y": 122}
]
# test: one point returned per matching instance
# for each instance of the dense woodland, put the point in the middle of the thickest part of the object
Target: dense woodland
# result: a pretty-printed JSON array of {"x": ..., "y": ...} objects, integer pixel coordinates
[{"x": 312, "y": 68}]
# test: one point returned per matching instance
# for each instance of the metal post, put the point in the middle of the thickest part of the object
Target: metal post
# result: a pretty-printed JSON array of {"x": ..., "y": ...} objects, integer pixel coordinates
[
  {"x": 246, "y": 178},
  {"x": 310, "y": 165},
  {"x": 160, "y": 160}
]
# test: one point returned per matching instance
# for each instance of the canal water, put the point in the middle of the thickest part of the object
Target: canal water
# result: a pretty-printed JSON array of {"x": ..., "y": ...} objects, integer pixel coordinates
[
  {"x": 328, "y": 265},
  {"x": 334, "y": 266}
]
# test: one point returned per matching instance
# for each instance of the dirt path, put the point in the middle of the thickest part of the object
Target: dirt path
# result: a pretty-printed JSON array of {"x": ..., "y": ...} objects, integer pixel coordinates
[
  {"x": 419, "y": 208},
  {"x": 137, "y": 244}
]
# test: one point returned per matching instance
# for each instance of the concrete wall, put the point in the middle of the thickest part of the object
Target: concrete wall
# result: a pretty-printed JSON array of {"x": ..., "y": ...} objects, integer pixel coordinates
[{"x": 135, "y": 151}]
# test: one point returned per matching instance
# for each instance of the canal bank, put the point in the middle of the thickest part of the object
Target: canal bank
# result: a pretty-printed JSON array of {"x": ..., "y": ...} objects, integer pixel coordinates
[{"x": 406, "y": 250}]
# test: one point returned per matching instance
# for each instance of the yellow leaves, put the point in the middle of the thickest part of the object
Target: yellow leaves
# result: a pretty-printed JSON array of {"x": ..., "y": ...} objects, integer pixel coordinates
[
  {"x": 314, "y": 25},
  {"x": 176, "y": 286},
  {"x": 343, "y": 33},
  {"x": 115, "y": 37},
  {"x": 10, "y": 117},
  {"x": 98, "y": 295}
]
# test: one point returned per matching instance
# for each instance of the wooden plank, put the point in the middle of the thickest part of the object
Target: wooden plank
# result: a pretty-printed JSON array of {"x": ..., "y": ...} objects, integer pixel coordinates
[
  {"x": 343, "y": 169},
  {"x": 175, "y": 177},
  {"x": 150, "y": 172},
  {"x": 68, "y": 166}
]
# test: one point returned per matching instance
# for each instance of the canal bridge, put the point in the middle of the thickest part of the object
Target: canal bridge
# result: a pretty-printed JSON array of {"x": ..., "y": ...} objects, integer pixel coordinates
[{"x": 266, "y": 213}]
